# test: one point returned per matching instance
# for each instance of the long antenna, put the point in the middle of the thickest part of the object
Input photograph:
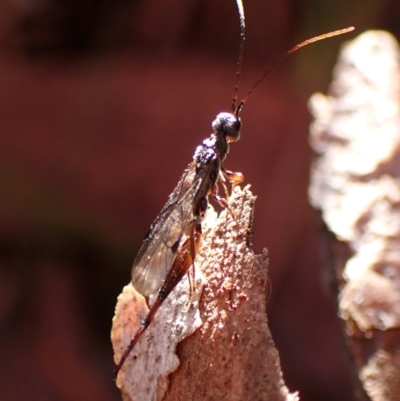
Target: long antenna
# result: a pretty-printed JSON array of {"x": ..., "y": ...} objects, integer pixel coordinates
[
  {"x": 283, "y": 57},
  {"x": 241, "y": 49}
]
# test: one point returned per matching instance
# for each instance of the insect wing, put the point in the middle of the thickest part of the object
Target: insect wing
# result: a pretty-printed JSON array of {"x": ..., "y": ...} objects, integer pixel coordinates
[{"x": 169, "y": 231}]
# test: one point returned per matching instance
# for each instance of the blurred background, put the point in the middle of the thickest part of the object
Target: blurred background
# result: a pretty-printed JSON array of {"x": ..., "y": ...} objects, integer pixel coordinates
[{"x": 101, "y": 106}]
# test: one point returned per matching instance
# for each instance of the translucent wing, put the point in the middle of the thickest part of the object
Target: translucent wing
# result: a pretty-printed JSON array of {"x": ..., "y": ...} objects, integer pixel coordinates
[{"x": 167, "y": 234}]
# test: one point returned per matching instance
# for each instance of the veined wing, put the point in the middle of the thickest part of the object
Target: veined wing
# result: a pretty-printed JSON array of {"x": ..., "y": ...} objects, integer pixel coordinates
[{"x": 170, "y": 229}]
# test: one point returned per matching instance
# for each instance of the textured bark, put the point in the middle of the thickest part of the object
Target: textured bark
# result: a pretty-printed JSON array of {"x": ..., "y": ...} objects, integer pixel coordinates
[
  {"x": 355, "y": 184},
  {"x": 232, "y": 355}
]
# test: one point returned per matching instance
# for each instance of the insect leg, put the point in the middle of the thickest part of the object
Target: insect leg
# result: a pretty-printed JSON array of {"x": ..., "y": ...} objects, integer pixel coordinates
[
  {"x": 200, "y": 211},
  {"x": 221, "y": 201},
  {"x": 233, "y": 178},
  {"x": 222, "y": 179}
]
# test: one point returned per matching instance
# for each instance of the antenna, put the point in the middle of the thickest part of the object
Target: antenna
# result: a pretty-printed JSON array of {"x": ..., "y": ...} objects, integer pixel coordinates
[
  {"x": 237, "y": 110},
  {"x": 239, "y": 63}
]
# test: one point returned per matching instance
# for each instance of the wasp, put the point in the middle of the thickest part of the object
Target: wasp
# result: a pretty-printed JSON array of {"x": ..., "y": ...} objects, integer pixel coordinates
[
  {"x": 173, "y": 240},
  {"x": 170, "y": 247}
]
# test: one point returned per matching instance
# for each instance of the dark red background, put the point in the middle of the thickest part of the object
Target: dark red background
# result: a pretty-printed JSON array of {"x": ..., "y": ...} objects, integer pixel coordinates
[{"x": 101, "y": 106}]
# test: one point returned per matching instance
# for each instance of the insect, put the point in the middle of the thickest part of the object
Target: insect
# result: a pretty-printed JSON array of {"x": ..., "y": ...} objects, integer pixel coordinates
[{"x": 173, "y": 240}]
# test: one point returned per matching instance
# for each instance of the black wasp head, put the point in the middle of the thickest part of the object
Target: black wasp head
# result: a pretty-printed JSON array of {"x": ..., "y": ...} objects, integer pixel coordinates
[{"x": 228, "y": 125}]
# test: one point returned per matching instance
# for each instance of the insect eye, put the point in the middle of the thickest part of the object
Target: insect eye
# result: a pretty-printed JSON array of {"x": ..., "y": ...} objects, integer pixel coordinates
[{"x": 232, "y": 130}]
